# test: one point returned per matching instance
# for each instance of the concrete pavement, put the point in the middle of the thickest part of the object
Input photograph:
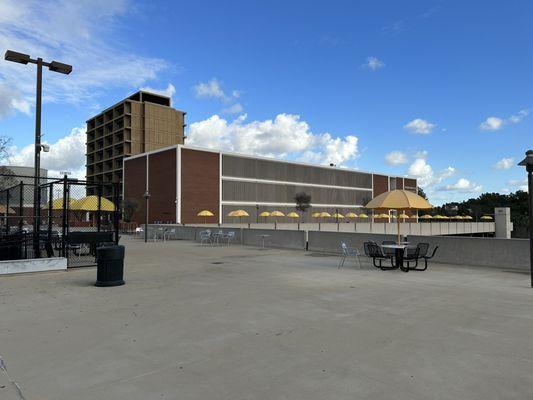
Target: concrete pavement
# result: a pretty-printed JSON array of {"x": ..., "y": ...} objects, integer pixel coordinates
[{"x": 200, "y": 322}]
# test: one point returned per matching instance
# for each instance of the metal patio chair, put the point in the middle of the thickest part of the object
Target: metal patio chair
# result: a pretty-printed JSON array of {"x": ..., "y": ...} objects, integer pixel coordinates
[
  {"x": 425, "y": 257},
  {"x": 205, "y": 237},
  {"x": 411, "y": 255},
  {"x": 348, "y": 252},
  {"x": 229, "y": 236},
  {"x": 388, "y": 252},
  {"x": 376, "y": 253}
]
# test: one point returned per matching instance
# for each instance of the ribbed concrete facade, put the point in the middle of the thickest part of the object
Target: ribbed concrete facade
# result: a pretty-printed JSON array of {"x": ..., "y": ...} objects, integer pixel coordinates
[{"x": 196, "y": 179}]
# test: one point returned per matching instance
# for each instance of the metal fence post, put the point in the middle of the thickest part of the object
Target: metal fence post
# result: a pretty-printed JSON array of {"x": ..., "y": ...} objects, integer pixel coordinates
[
  {"x": 50, "y": 211},
  {"x": 21, "y": 206},
  {"x": 98, "y": 211},
  {"x": 7, "y": 212},
  {"x": 116, "y": 214},
  {"x": 64, "y": 222}
]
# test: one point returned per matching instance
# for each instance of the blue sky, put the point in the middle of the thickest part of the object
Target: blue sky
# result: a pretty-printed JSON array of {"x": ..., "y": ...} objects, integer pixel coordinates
[{"x": 436, "y": 89}]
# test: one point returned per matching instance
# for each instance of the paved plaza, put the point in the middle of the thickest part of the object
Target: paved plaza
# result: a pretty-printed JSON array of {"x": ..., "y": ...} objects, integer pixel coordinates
[{"x": 235, "y": 323}]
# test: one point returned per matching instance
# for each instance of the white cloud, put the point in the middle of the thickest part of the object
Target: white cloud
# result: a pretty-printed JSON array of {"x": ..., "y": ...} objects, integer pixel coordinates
[
  {"x": 491, "y": 124},
  {"x": 373, "y": 63},
  {"x": 286, "y": 136},
  {"x": 66, "y": 154},
  {"x": 169, "y": 91},
  {"x": 419, "y": 126},
  {"x": 424, "y": 173},
  {"x": 11, "y": 100},
  {"x": 72, "y": 32},
  {"x": 496, "y": 123},
  {"x": 233, "y": 109},
  {"x": 504, "y": 163},
  {"x": 395, "y": 158},
  {"x": 209, "y": 89},
  {"x": 463, "y": 185}
]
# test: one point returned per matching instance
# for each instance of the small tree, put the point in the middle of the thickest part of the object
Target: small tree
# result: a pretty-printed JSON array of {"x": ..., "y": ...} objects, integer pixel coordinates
[
  {"x": 129, "y": 206},
  {"x": 421, "y": 193}
]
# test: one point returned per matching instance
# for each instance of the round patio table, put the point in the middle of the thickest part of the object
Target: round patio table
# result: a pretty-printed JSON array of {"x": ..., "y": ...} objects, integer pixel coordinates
[{"x": 399, "y": 250}]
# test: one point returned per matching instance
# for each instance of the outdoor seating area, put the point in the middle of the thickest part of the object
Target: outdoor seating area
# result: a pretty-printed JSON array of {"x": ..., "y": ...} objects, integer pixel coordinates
[
  {"x": 215, "y": 238},
  {"x": 403, "y": 256}
]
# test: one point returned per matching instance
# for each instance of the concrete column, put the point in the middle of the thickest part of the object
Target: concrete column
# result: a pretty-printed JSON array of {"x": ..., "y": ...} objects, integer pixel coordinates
[{"x": 502, "y": 222}]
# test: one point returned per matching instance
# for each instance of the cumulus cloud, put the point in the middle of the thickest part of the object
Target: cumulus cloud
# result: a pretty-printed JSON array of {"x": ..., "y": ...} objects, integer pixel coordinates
[
  {"x": 424, "y": 173},
  {"x": 169, "y": 91},
  {"x": 209, "y": 89},
  {"x": 463, "y": 185},
  {"x": 66, "y": 154},
  {"x": 395, "y": 158},
  {"x": 419, "y": 126},
  {"x": 73, "y": 32},
  {"x": 504, "y": 163},
  {"x": 373, "y": 63},
  {"x": 286, "y": 136},
  {"x": 496, "y": 123},
  {"x": 519, "y": 184}
]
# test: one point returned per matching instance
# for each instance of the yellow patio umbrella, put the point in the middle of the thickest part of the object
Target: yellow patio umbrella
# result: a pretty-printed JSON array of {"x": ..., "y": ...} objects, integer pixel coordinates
[
  {"x": 205, "y": 214},
  {"x": 426, "y": 216},
  {"x": 239, "y": 214},
  {"x": 57, "y": 204},
  {"x": 363, "y": 215},
  {"x": 438, "y": 216},
  {"x": 90, "y": 203},
  {"x": 468, "y": 217},
  {"x": 264, "y": 214},
  {"x": 293, "y": 214},
  {"x": 325, "y": 214},
  {"x": 316, "y": 214},
  {"x": 337, "y": 215},
  {"x": 276, "y": 214},
  {"x": 383, "y": 215},
  {"x": 399, "y": 200},
  {"x": 486, "y": 218},
  {"x": 404, "y": 216},
  {"x": 351, "y": 215}
]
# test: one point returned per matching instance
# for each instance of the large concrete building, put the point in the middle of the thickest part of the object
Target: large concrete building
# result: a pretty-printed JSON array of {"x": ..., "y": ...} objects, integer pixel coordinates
[
  {"x": 142, "y": 122},
  {"x": 183, "y": 180}
]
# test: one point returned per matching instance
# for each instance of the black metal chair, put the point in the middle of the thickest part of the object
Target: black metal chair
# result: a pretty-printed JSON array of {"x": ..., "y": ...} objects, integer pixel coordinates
[
  {"x": 376, "y": 253},
  {"x": 365, "y": 247},
  {"x": 387, "y": 251},
  {"x": 425, "y": 257},
  {"x": 411, "y": 255}
]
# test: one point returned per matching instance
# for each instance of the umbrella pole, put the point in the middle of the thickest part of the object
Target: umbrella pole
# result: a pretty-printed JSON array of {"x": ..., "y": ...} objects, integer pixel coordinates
[{"x": 398, "y": 221}]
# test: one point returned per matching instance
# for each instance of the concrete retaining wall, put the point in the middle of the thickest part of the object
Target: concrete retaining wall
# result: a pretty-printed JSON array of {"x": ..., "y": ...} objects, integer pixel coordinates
[
  {"x": 487, "y": 252},
  {"x": 331, "y": 241},
  {"x": 277, "y": 238},
  {"x": 33, "y": 265}
]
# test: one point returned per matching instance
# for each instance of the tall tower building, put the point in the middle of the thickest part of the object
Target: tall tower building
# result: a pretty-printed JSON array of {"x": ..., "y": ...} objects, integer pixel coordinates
[{"x": 142, "y": 122}]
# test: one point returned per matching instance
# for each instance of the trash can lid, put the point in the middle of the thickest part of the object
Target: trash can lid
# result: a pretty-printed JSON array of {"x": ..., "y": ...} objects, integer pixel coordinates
[{"x": 110, "y": 252}]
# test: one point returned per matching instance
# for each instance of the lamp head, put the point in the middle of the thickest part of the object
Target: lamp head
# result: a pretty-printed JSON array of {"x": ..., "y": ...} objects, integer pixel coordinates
[
  {"x": 14, "y": 56},
  {"x": 60, "y": 67},
  {"x": 528, "y": 161}
]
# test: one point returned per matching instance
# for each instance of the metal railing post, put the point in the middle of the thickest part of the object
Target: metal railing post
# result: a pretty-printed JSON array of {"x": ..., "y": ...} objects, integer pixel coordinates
[
  {"x": 98, "y": 211},
  {"x": 64, "y": 222},
  {"x": 7, "y": 212},
  {"x": 50, "y": 211},
  {"x": 21, "y": 206}
]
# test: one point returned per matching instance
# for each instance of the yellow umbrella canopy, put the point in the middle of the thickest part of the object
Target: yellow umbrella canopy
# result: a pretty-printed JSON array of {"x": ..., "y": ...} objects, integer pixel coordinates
[
  {"x": 205, "y": 213},
  {"x": 404, "y": 216},
  {"x": 324, "y": 214},
  {"x": 316, "y": 214},
  {"x": 350, "y": 215},
  {"x": 486, "y": 218},
  {"x": 468, "y": 217},
  {"x": 383, "y": 215},
  {"x": 293, "y": 214},
  {"x": 363, "y": 215},
  {"x": 264, "y": 214},
  {"x": 57, "y": 204},
  {"x": 399, "y": 200},
  {"x": 277, "y": 214},
  {"x": 238, "y": 213},
  {"x": 90, "y": 203},
  {"x": 337, "y": 215},
  {"x": 426, "y": 216}
]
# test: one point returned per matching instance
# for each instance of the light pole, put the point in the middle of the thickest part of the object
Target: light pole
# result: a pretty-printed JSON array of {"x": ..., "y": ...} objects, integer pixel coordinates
[
  {"x": 528, "y": 163},
  {"x": 55, "y": 67},
  {"x": 146, "y": 196}
]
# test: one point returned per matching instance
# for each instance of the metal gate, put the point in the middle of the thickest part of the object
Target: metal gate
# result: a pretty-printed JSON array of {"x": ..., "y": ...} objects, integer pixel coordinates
[{"x": 69, "y": 218}]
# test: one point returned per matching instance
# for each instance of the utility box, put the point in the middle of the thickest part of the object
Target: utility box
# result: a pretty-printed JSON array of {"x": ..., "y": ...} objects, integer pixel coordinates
[{"x": 502, "y": 221}]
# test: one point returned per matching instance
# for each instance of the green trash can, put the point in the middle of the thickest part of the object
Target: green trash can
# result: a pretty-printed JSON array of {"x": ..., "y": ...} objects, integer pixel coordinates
[{"x": 110, "y": 266}]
